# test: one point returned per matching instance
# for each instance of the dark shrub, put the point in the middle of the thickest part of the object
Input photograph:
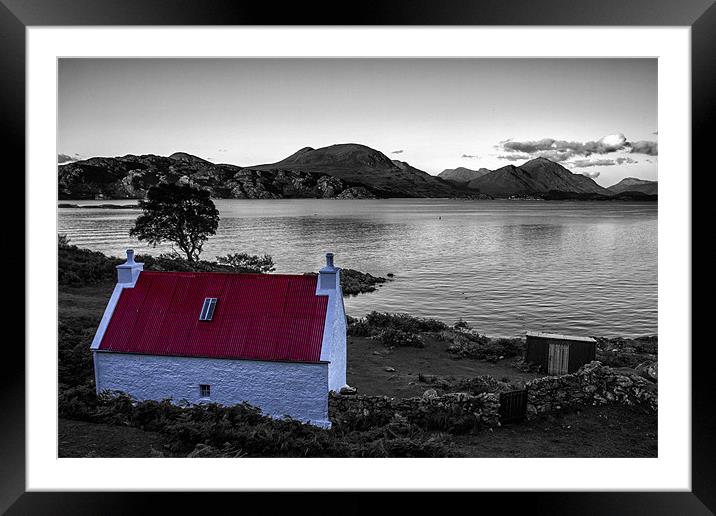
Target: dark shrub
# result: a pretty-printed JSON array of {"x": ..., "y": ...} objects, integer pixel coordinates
[
  {"x": 74, "y": 356},
  {"x": 480, "y": 347},
  {"x": 242, "y": 262},
  {"x": 239, "y": 263},
  {"x": 461, "y": 325},
  {"x": 358, "y": 327},
  {"x": 623, "y": 352},
  {"x": 242, "y": 429},
  {"x": 404, "y": 322},
  {"x": 478, "y": 385},
  {"x": 77, "y": 267},
  {"x": 78, "y": 402},
  {"x": 375, "y": 323},
  {"x": 114, "y": 408},
  {"x": 153, "y": 416},
  {"x": 432, "y": 446},
  {"x": 354, "y": 282},
  {"x": 392, "y": 338}
]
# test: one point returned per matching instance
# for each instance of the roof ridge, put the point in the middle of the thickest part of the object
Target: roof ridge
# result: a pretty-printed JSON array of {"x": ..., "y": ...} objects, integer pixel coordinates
[{"x": 255, "y": 274}]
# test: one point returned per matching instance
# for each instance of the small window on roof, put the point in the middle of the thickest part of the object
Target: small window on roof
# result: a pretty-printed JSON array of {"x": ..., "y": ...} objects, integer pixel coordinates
[{"x": 207, "y": 310}]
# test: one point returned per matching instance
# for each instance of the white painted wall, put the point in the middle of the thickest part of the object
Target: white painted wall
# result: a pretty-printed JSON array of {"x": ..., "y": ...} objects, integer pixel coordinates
[
  {"x": 298, "y": 390},
  {"x": 339, "y": 327},
  {"x": 333, "y": 347}
]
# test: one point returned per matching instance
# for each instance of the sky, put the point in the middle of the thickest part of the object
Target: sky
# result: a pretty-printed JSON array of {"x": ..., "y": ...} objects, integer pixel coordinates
[{"x": 595, "y": 116}]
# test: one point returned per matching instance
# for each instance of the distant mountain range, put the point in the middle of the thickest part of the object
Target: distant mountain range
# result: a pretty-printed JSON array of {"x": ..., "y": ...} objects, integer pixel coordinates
[
  {"x": 546, "y": 179},
  {"x": 632, "y": 184},
  {"x": 462, "y": 175},
  {"x": 344, "y": 171},
  {"x": 537, "y": 176},
  {"x": 362, "y": 165}
]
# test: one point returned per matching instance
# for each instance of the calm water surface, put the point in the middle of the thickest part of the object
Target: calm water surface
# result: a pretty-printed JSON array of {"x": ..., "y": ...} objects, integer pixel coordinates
[{"x": 504, "y": 266}]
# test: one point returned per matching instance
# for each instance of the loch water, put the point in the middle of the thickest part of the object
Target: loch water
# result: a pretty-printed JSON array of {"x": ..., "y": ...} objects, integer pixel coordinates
[{"x": 505, "y": 267}]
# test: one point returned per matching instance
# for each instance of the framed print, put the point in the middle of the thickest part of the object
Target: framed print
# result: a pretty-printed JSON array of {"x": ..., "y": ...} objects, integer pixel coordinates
[{"x": 438, "y": 239}]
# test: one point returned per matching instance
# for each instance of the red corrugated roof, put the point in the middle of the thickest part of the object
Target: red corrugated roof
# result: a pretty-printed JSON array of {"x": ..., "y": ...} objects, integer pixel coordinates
[{"x": 257, "y": 316}]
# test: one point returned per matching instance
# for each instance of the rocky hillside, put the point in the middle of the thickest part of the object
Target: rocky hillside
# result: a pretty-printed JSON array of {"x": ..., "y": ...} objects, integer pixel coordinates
[
  {"x": 359, "y": 164},
  {"x": 345, "y": 171},
  {"x": 632, "y": 184},
  {"x": 130, "y": 176},
  {"x": 537, "y": 176},
  {"x": 462, "y": 175}
]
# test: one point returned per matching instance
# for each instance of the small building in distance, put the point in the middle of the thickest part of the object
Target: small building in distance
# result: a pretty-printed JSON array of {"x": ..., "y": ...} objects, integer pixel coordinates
[
  {"x": 559, "y": 354},
  {"x": 275, "y": 341}
]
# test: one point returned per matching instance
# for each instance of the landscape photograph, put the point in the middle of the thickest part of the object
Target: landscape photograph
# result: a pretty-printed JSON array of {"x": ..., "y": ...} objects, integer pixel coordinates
[{"x": 357, "y": 257}]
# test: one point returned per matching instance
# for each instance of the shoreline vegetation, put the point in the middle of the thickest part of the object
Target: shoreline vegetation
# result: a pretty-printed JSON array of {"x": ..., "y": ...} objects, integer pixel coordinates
[
  {"x": 396, "y": 356},
  {"x": 553, "y": 195},
  {"x": 64, "y": 205},
  {"x": 79, "y": 267}
]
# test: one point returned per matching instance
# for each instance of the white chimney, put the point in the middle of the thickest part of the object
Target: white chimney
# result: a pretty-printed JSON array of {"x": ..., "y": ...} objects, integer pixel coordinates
[
  {"x": 128, "y": 272},
  {"x": 328, "y": 276}
]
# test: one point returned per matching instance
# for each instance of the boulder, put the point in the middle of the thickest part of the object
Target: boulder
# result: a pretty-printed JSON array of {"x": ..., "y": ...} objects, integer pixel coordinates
[
  {"x": 430, "y": 394},
  {"x": 648, "y": 370},
  {"x": 347, "y": 390}
]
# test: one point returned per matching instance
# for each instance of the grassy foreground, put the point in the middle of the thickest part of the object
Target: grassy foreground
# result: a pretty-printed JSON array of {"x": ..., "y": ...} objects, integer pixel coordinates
[
  {"x": 390, "y": 355},
  {"x": 604, "y": 431}
]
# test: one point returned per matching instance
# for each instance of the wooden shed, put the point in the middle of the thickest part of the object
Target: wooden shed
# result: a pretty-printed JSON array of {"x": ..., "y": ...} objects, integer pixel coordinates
[{"x": 559, "y": 354}]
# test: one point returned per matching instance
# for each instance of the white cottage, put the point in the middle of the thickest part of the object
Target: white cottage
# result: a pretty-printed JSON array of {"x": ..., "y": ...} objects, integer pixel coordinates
[{"x": 276, "y": 341}]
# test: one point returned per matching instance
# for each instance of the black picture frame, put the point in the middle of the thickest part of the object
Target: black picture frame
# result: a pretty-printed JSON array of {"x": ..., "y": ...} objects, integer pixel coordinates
[{"x": 17, "y": 15}]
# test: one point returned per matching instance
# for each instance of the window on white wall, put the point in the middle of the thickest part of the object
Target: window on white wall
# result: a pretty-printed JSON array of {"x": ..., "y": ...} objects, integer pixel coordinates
[{"x": 204, "y": 390}]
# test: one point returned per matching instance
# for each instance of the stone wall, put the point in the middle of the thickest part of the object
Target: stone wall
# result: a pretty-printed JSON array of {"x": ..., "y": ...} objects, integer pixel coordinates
[
  {"x": 455, "y": 412},
  {"x": 593, "y": 384}
]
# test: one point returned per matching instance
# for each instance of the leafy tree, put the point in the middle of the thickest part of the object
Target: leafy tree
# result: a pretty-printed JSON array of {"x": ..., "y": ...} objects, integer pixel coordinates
[
  {"x": 243, "y": 262},
  {"x": 179, "y": 214}
]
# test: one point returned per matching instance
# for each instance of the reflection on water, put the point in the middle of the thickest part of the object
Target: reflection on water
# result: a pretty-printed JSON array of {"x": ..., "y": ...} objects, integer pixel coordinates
[{"x": 504, "y": 266}]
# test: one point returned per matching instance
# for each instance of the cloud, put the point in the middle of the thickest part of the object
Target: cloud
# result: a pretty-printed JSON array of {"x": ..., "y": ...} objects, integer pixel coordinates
[
  {"x": 563, "y": 150},
  {"x": 223, "y": 150},
  {"x": 609, "y": 143},
  {"x": 514, "y": 156},
  {"x": 470, "y": 156},
  {"x": 586, "y": 163},
  {"x": 645, "y": 147},
  {"x": 399, "y": 151},
  {"x": 593, "y": 174}
]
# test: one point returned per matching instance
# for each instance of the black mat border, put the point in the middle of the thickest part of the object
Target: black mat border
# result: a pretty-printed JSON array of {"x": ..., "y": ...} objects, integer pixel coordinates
[{"x": 17, "y": 15}]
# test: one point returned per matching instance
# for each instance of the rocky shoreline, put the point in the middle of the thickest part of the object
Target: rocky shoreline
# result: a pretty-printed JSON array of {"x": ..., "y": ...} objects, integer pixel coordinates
[
  {"x": 99, "y": 206},
  {"x": 466, "y": 343}
]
